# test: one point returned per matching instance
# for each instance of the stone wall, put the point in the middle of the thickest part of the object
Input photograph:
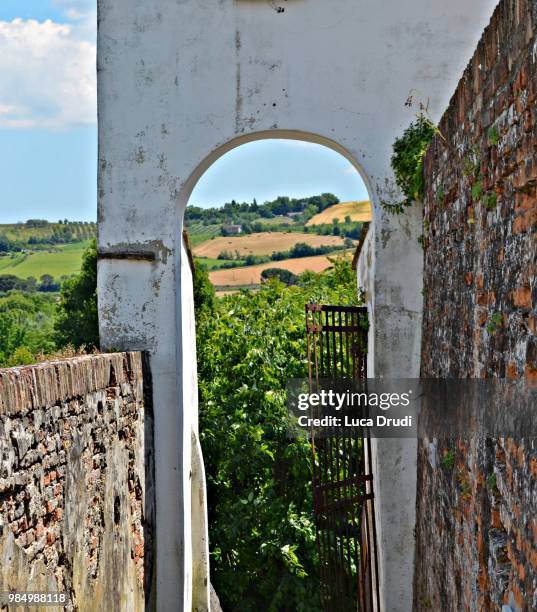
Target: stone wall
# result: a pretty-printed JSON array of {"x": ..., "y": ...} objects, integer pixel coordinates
[
  {"x": 75, "y": 500},
  {"x": 477, "y": 500}
]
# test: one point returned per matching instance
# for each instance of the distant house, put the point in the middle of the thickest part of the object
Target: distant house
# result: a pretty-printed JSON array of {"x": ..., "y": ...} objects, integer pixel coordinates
[
  {"x": 293, "y": 215},
  {"x": 231, "y": 229}
]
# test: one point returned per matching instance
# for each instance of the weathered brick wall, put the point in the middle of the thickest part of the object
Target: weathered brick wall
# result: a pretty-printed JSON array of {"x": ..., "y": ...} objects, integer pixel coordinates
[
  {"x": 477, "y": 501},
  {"x": 75, "y": 497}
]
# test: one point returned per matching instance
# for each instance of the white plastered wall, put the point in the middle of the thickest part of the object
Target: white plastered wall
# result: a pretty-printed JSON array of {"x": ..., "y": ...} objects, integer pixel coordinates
[{"x": 182, "y": 81}]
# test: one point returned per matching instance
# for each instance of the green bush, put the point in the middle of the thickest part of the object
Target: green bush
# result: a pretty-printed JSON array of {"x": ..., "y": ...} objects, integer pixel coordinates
[
  {"x": 77, "y": 322},
  {"x": 26, "y": 327},
  {"x": 407, "y": 161},
  {"x": 261, "y": 531}
]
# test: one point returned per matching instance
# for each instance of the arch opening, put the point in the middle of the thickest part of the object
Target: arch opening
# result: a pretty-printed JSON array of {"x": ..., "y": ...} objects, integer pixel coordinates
[
  {"x": 301, "y": 174},
  {"x": 276, "y": 134},
  {"x": 246, "y": 353}
]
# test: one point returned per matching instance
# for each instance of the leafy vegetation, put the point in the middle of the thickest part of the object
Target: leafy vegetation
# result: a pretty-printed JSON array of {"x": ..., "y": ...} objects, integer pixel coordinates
[
  {"x": 77, "y": 321},
  {"x": 250, "y": 215},
  {"x": 449, "y": 459},
  {"x": 494, "y": 323},
  {"x": 263, "y": 551},
  {"x": 407, "y": 161},
  {"x": 284, "y": 276},
  {"x": 491, "y": 200},
  {"x": 26, "y": 327},
  {"x": 493, "y": 135}
]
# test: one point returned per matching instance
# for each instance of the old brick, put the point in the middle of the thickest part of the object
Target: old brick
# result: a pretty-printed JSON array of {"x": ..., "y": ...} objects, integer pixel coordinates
[
  {"x": 512, "y": 370},
  {"x": 530, "y": 372},
  {"x": 522, "y": 297},
  {"x": 472, "y": 272}
]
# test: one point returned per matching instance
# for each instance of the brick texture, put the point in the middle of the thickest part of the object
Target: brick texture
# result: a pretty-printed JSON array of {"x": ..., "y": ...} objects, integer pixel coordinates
[
  {"x": 72, "y": 481},
  {"x": 477, "y": 510}
]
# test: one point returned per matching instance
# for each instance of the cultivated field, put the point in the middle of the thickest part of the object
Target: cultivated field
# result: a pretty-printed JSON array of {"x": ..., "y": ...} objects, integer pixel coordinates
[
  {"x": 357, "y": 211},
  {"x": 251, "y": 275},
  {"x": 21, "y": 231},
  {"x": 65, "y": 261},
  {"x": 198, "y": 233},
  {"x": 263, "y": 243}
]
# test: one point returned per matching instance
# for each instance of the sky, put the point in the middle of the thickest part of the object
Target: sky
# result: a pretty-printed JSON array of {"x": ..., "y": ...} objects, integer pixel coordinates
[{"x": 48, "y": 127}]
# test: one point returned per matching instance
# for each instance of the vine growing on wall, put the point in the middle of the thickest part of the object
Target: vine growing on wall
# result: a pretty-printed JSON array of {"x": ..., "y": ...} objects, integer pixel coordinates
[{"x": 407, "y": 161}]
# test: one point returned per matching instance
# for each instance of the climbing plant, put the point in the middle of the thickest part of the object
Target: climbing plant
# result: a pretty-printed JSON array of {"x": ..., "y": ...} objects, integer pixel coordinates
[{"x": 407, "y": 161}]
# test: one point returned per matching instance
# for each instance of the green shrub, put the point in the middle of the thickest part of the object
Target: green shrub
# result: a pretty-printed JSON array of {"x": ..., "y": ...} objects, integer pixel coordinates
[
  {"x": 77, "y": 322},
  {"x": 261, "y": 530},
  {"x": 26, "y": 327},
  {"x": 449, "y": 459},
  {"x": 407, "y": 161}
]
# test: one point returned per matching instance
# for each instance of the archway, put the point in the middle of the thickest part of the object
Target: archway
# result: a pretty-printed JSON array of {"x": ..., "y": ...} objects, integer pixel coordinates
[
  {"x": 148, "y": 319},
  {"x": 281, "y": 234}
]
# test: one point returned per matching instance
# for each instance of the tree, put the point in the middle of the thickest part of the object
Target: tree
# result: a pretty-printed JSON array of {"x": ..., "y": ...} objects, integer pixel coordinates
[
  {"x": 11, "y": 335},
  {"x": 262, "y": 535},
  {"x": 48, "y": 284},
  {"x": 25, "y": 327},
  {"x": 204, "y": 293},
  {"x": 284, "y": 276},
  {"x": 77, "y": 321},
  {"x": 8, "y": 282},
  {"x": 5, "y": 243}
]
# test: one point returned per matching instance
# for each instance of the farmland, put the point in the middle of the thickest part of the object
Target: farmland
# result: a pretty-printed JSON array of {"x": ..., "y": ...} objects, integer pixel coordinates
[
  {"x": 214, "y": 264},
  {"x": 270, "y": 231},
  {"x": 251, "y": 275},
  {"x": 41, "y": 231},
  {"x": 262, "y": 243},
  {"x": 198, "y": 233},
  {"x": 357, "y": 211},
  {"x": 62, "y": 261}
]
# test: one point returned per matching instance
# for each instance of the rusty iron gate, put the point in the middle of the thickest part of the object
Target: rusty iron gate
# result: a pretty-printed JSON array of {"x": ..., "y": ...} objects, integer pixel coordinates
[{"x": 342, "y": 476}]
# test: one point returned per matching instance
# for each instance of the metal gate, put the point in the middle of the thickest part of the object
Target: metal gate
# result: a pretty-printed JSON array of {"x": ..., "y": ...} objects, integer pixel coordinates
[{"x": 342, "y": 476}]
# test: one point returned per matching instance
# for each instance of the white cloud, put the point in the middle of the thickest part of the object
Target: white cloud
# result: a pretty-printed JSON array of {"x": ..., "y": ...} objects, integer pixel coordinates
[
  {"x": 350, "y": 169},
  {"x": 47, "y": 73}
]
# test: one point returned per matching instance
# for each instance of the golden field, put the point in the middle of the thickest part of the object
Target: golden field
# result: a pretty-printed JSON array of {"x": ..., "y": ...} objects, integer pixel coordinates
[
  {"x": 357, "y": 211},
  {"x": 263, "y": 243},
  {"x": 251, "y": 275}
]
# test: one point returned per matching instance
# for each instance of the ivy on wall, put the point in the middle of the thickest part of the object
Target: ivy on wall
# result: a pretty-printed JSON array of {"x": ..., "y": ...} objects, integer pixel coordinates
[{"x": 407, "y": 162}]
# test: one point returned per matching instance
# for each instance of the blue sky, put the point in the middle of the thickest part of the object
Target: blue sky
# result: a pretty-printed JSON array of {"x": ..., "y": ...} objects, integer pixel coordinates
[
  {"x": 48, "y": 132},
  {"x": 268, "y": 168}
]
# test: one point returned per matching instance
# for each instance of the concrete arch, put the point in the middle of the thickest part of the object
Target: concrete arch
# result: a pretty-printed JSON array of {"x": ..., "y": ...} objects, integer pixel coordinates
[{"x": 276, "y": 134}]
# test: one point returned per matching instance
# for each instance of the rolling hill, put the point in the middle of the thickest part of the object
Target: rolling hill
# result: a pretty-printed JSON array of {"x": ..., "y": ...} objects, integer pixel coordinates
[
  {"x": 63, "y": 260},
  {"x": 357, "y": 211},
  {"x": 251, "y": 275},
  {"x": 262, "y": 243}
]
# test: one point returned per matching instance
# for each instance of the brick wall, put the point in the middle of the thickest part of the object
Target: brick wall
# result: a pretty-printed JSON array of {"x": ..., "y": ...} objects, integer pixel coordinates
[
  {"x": 75, "y": 499},
  {"x": 477, "y": 503}
]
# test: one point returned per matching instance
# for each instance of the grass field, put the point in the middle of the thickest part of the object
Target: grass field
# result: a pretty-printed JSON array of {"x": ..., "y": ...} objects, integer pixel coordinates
[
  {"x": 263, "y": 243},
  {"x": 64, "y": 261},
  {"x": 251, "y": 275},
  {"x": 279, "y": 219},
  {"x": 357, "y": 211}
]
